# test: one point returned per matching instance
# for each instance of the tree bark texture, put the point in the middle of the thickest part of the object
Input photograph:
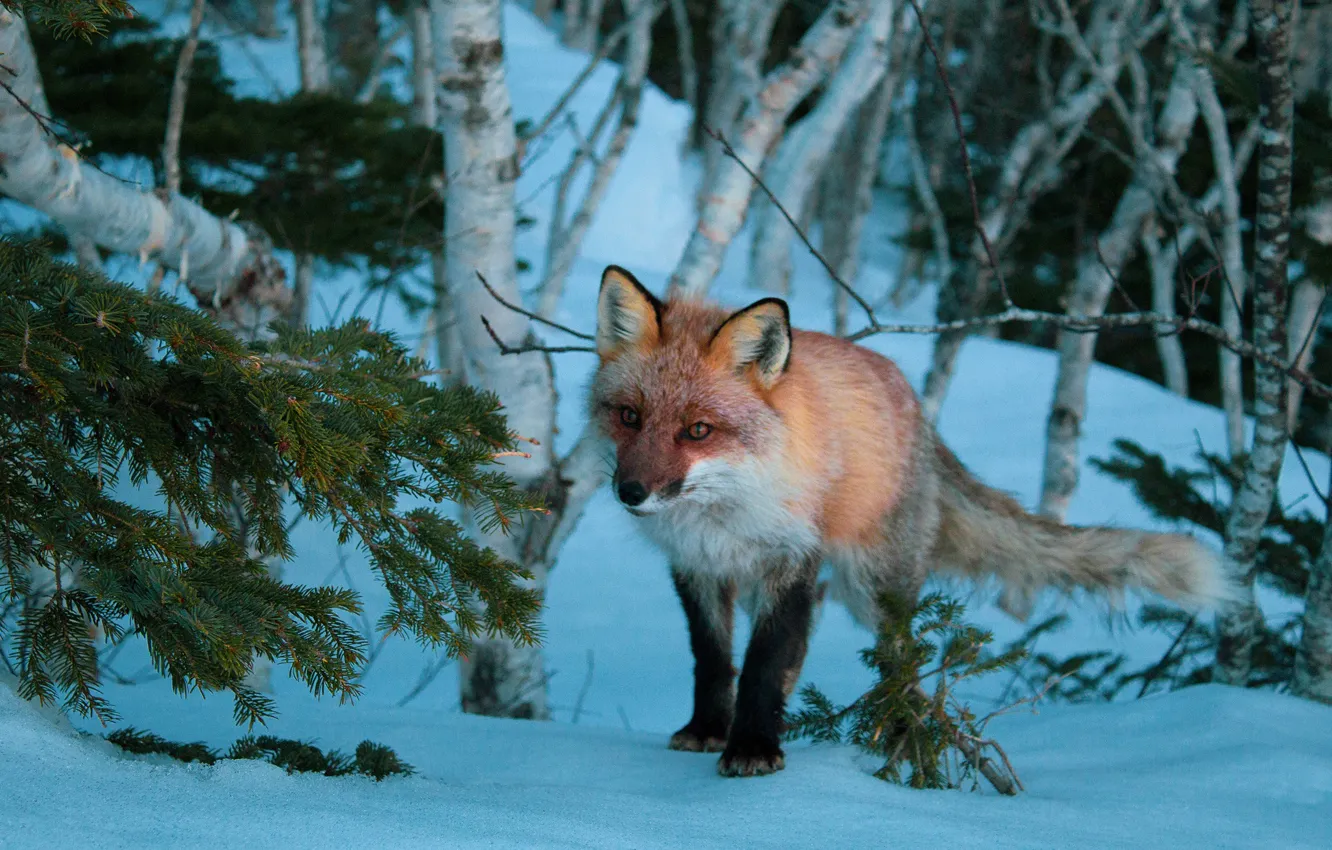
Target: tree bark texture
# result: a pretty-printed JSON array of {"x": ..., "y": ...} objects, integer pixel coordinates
[
  {"x": 1099, "y": 267},
  {"x": 311, "y": 52},
  {"x": 740, "y": 33},
  {"x": 726, "y": 198},
  {"x": 229, "y": 267},
  {"x": 353, "y": 42},
  {"x": 802, "y": 156},
  {"x": 1032, "y": 167},
  {"x": 566, "y": 238},
  {"x": 1312, "y": 677},
  {"x": 1237, "y": 623}
]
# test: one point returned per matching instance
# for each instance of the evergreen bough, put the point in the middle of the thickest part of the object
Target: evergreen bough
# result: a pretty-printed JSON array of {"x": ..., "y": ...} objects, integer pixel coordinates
[
  {"x": 102, "y": 385},
  {"x": 370, "y": 759},
  {"x": 902, "y": 722}
]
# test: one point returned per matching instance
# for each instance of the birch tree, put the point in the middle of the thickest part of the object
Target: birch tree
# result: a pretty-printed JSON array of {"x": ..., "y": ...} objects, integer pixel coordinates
[
  {"x": 498, "y": 676},
  {"x": 1099, "y": 267},
  {"x": 803, "y": 154},
  {"x": 1237, "y": 622},
  {"x": 740, "y": 33},
  {"x": 1032, "y": 166},
  {"x": 567, "y": 231},
  {"x": 728, "y": 194},
  {"x": 227, "y": 266}
]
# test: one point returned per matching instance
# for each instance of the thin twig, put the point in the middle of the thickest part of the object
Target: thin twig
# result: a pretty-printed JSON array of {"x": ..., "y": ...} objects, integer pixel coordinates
[
  {"x": 525, "y": 347},
  {"x": 367, "y": 92},
  {"x": 758, "y": 181},
  {"x": 533, "y": 316},
  {"x": 966, "y": 156}
]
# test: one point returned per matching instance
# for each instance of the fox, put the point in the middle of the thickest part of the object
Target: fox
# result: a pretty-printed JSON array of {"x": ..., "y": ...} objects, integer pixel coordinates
[{"x": 753, "y": 454}]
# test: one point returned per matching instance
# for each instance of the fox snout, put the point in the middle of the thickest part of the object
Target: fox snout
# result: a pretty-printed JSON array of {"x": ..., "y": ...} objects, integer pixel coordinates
[{"x": 634, "y": 493}]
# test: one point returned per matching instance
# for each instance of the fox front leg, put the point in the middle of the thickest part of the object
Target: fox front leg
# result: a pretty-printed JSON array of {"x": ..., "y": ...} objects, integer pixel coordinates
[
  {"x": 709, "y": 606},
  {"x": 772, "y": 665}
]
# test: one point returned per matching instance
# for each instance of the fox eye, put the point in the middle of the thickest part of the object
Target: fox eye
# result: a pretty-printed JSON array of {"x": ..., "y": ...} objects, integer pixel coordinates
[
  {"x": 629, "y": 417},
  {"x": 698, "y": 431}
]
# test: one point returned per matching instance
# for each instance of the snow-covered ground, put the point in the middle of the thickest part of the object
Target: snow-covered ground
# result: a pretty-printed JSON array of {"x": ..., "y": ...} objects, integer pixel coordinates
[{"x": 1205, "y": 767}]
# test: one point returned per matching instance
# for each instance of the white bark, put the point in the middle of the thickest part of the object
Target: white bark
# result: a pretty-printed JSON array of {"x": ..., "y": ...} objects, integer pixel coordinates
[
  {"x": 573, "y": 22},
  {"x": 228, "y": 267},
  {"x": 1237, "y": 623},
  {"x": 425, "y": 99},
  {"x": 1098, "y": 269},
  {"x": 310, "y": 47},
  {"x": 566, "y": 238},
  {"x": 847, "y": 193},
  {"x": 477, "y": 121},
  {"x": 589, "y": 26},
  {"x": 1234, "y": 278},
  {"x": 1032, "y": 166},
  {"x": 1306, "y": 300},
  {"x": 740, "y": 34},
  {"x": 803, "y": 153},
  {"x": 1164, "y": 288},
  {"x": 684, "y": 41},
  {"x": 1312, "y": 677},
  {"x": 727, "y": 198}
]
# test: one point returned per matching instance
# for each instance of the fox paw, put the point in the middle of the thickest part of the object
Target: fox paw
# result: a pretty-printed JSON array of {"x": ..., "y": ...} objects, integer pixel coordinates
[
  {"x": 752, "y": 758},
  {"x": 692, "y": 739}
]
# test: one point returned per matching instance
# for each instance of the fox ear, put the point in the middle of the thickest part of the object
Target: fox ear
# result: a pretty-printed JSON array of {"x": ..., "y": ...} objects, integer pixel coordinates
[
  {"x": 627, "y": 314},
  {"x": 759, "y": 334}
]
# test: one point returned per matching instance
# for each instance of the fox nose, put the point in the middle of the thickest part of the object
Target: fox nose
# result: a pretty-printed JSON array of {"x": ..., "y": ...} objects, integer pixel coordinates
[{"x": 632, "y": 493}]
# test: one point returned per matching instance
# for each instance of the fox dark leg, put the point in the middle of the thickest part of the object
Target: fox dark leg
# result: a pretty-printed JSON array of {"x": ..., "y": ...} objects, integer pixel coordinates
[
  {"x": 709, "y": 606},
  {"x": 772, "y": 665}
]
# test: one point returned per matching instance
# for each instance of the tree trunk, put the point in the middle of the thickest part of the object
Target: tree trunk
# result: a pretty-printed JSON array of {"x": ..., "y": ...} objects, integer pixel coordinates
[
  {"x": 567, "y": 238},
  {"x": 1099, "y": 268},
  {"x": 727, "y": 197},
  {"x": 1237, "y": 623},
  {"x": 228, "y": 267},
  {"x": 353, "y": 41},
  {"x": 1032, "y": 166},
  {"x": 740, "y": 33},
  {"x": 1312, "y": 677},
  {"x": 847, "y": 192},
  {"x": 1164, "y": 285},
  {"x": 425, "y": 96},
  {"x": 498, "y": 677},
  {"x": 803, "y": 153},
  {"x": 684, "y": 41},
  {"x": 1306, "y": 303},
  {"x": 310, "y": 49}
]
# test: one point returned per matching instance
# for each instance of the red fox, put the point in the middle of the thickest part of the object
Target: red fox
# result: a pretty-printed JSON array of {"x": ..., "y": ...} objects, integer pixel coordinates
[{"x": 753, "y": 454}]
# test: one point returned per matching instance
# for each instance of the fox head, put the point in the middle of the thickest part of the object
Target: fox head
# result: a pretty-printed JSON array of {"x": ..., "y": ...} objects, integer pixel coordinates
[{"x": 682, "y": 390}]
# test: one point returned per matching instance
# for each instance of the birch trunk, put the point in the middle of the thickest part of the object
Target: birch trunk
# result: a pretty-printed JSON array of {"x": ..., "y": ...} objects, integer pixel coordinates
[
  {"x": 353, "y": 43},
  {"x": 311, "y": 52},
  {"x": 1306, "y": 301},
  {"x": 498, "y": 677},
  {"x": 1237, "y": 623},
  {"x": 1164, "y": 289},
  {"x": 567, "y": 238},
  {"x": 228, "y": 267},
  {"x": 1032, "y": 166},
  {"x": 740, "y": 34},
  {"x": 1098, "y": 269},
  {"x": 684, "y": 40},
  {"x": 573, "y": 22},
  {"x": 847, "y": 193},
  {"x": 727, "y": 198},
  {"x": 803, "y": 154},
  {"x": 442, "y": 323},
  {"x": 425, "y": 96},
  {"x": 1312, "y": 676}
]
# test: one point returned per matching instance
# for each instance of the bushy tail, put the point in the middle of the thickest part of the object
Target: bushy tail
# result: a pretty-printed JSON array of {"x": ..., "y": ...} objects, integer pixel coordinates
[{"x": 985, "y": 532}]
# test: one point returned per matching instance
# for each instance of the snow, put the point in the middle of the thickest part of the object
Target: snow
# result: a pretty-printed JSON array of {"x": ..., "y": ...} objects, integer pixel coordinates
[{"x": 1205, "y": 767}]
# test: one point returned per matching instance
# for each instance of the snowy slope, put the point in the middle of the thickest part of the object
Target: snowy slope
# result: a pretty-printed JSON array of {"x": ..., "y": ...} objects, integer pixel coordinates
[{"x": 1208, "y": 767}]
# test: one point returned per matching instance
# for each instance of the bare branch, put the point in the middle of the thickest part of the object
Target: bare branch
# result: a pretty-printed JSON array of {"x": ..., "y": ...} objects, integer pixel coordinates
[
  {"x": 962, "y": 148},
  {"x": 367, "y": 92},
  {"x": 529, "y": 314}
]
